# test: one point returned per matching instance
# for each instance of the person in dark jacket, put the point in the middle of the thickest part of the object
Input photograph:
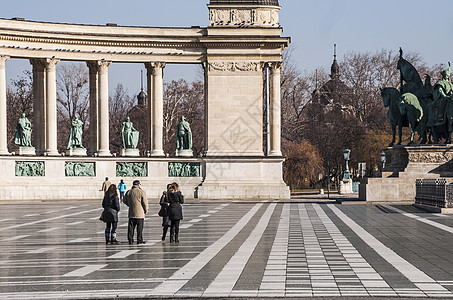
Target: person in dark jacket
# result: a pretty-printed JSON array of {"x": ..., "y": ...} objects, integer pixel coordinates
[
  {"x": 111, "y": 205},
  {"x": 175, "y": 199},
  {"x": 164, "y": 207}
]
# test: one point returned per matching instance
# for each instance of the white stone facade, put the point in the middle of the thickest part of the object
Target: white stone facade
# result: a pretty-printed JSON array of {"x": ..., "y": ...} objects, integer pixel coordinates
[{"x": 233, "y": 56}]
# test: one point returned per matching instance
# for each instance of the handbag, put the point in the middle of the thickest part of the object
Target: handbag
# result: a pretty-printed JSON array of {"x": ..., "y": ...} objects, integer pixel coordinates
[
  {"x": 162, "y": 212},
  {"x": 101, "y": 218}
]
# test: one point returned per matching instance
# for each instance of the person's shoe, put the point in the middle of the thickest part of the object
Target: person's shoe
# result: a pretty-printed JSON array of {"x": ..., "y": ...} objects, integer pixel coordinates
[
  {"x": 163, "y": 238},
  {"x": 115, "y": 242},
  {"x": 131, "y": 242},
  {"x": 172, "y": 239},
  {"x": 142, "y": 242},
  {"x": 176, "y": 238},
  {"x": 107, "y": 242}
]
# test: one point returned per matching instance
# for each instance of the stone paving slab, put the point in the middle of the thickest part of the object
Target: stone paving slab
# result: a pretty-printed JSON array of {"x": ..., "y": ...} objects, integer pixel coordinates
[{"x": 56, "y": 250}]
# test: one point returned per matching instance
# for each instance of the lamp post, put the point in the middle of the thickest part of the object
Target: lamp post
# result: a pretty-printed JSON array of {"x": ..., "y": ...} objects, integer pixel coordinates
[
  {"x": 383, "y": 160},
  {"x": 346, "y": 153}
]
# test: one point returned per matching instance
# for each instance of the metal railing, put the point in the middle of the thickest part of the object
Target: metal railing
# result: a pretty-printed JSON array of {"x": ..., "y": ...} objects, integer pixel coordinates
[{"x": 434, "y": 192}]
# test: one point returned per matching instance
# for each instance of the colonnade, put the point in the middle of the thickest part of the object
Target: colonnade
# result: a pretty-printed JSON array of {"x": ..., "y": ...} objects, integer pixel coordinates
[{"x": 45, "y": 107}]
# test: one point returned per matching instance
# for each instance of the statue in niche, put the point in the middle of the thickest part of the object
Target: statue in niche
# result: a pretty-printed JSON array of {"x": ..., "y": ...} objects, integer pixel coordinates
[
  {"x": 183, "y": 135},
  {"x": 22, "y": 136},
  {"x": 75, "y": 134},
  {"x": 130, "y": 135}
]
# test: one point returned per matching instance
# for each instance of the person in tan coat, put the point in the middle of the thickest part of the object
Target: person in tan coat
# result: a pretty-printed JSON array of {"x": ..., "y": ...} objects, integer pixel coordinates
[{"x": 137, "y": 202}]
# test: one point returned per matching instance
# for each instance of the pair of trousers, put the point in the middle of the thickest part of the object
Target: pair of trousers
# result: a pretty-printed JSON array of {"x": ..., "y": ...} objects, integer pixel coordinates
[
  {"x": 110, "y": 231},
  {"x": 131, "y": 228},
  {"x": 174, "y": 229}
]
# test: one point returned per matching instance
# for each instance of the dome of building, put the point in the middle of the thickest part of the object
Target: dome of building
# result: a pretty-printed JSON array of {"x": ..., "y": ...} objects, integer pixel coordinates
[
  {"x": 141, "y": 97},
  {"x": 334, "y": 91}
]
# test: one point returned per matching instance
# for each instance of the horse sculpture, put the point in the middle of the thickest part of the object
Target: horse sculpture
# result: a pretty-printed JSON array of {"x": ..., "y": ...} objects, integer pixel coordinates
[
  {"x": 391, "y": 97},
  {"x": 424, "y": 107},
  {"x": 410, "y": 107}
]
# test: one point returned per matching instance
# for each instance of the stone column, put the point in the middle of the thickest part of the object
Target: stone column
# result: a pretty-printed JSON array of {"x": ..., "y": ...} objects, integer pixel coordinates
[
  {"x": 39, "y": 107},
  {"x": 149, "y": 108},
  {"x": 51, "y": 107},
  {"x": 93, "y": 147},
  {"x": 3, "y": 121},
  {"x": 275, "y": 112},
  {"x": 157, "y": 109},
  {"x": 104, "y": 137}
]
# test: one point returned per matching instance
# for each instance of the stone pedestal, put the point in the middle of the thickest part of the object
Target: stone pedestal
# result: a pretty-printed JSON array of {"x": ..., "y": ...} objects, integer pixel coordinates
[
  {"x": 25, "y": 151},
  {"x": 130, "y": 152},
  {"x": 404, "y": 165},
  {"x": 184, "y": 153},
  {"x": 76, "y": 152},
  {"x": 345, "y": 187}
]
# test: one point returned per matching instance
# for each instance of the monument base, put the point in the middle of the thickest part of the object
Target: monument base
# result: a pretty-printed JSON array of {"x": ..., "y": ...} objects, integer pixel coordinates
[
  {"x": 404, "y": 165},
  {"x": 130, "y": 152},
  {"x": 75, "y": 178},
  {"x": 184, "y": 153},
  {"x": 76, "y": 152},
  {"x": 345, "y": 187},
  {"x": 25, "y": 151}
]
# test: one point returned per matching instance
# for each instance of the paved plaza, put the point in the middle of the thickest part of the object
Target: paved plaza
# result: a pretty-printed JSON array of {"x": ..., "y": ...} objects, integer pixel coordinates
[{"x": 56, "y": 250}]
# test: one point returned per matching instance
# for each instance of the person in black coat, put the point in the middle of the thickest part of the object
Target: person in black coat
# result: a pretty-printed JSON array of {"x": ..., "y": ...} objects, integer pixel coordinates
[
  {"x": 175, "y": 198},
  {"x": 163, "y": 212},
  {"x": 111, "y": 205}
]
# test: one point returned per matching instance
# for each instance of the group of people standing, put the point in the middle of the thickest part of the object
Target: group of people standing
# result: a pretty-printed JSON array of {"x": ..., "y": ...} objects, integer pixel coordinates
[
  {"x": 171, "y": 211},
  {"x": 136, "y": 200}
]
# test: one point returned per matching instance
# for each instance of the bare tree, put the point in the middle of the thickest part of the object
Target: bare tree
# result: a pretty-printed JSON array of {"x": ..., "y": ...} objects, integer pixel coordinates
[
  {"x": 19, "y": 97},
  {"x": 184, "y": 99},
  {"x": 72, "y": 99},
  {"x": 120, "y": 103}
]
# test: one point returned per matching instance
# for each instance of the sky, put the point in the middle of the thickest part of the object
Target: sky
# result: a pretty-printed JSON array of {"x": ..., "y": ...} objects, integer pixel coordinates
[{"x": 421, "y": 26}]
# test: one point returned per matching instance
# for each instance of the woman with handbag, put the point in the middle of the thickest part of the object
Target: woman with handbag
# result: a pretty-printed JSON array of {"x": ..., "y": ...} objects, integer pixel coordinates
[
  {"x": 111, "y": 205},
  {"x": 163, "y": 213},
  {"x": 175, "y": 198}
]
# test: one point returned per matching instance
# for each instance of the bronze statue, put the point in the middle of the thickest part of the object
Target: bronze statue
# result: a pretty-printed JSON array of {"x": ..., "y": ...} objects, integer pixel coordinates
[{"x": 22, "y": 136}]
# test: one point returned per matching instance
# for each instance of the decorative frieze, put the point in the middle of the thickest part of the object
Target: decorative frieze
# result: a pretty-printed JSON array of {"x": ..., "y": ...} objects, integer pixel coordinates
[
  {"x": 183, "y": 169},
  {"x": 430, "y": 157},
  {"x": 244, "y": 17},
  {"x": 234, "y": 66},
  {"x": 76, "y": 169},
  {"x": 30, "y": 168},
  {"x": 131, "y": 169}
]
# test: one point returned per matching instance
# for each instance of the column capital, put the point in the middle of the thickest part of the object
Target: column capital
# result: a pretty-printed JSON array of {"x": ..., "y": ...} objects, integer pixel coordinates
[
  {"x": 51, "y": 63},
  {"x": 154, "y": 65},
  {"x": 275, "y": 65},
  {"x": 3, "y": 58},
  {"x": 38, "y": 63},
  {"x": 103, "y": 65},
  {"x": 93, "y": 66}
]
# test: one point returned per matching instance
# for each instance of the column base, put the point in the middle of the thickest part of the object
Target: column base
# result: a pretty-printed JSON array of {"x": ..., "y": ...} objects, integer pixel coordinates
[
  {"x": 275, "y": 153},
  {"x": 51, "y": 152},
  {"x": 104, "y": 153},
  {"x": 157, "y": 153},
  {"x": 4, "y": 152}
]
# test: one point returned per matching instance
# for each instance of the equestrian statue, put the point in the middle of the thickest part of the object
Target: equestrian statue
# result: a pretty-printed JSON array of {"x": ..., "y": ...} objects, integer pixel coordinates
[{"x": 427, "y": 109}]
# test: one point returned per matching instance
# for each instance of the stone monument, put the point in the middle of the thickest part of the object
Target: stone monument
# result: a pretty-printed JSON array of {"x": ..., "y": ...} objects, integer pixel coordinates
[
  {"x": 22, "y": 137},
  {"x": 425, "y": 108},
  {"x": 183, "y": 138},
  {"x": 243, "y": 40},
  {"x": 75, "y": 147},
  {"x": 130, "y": 137}
]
